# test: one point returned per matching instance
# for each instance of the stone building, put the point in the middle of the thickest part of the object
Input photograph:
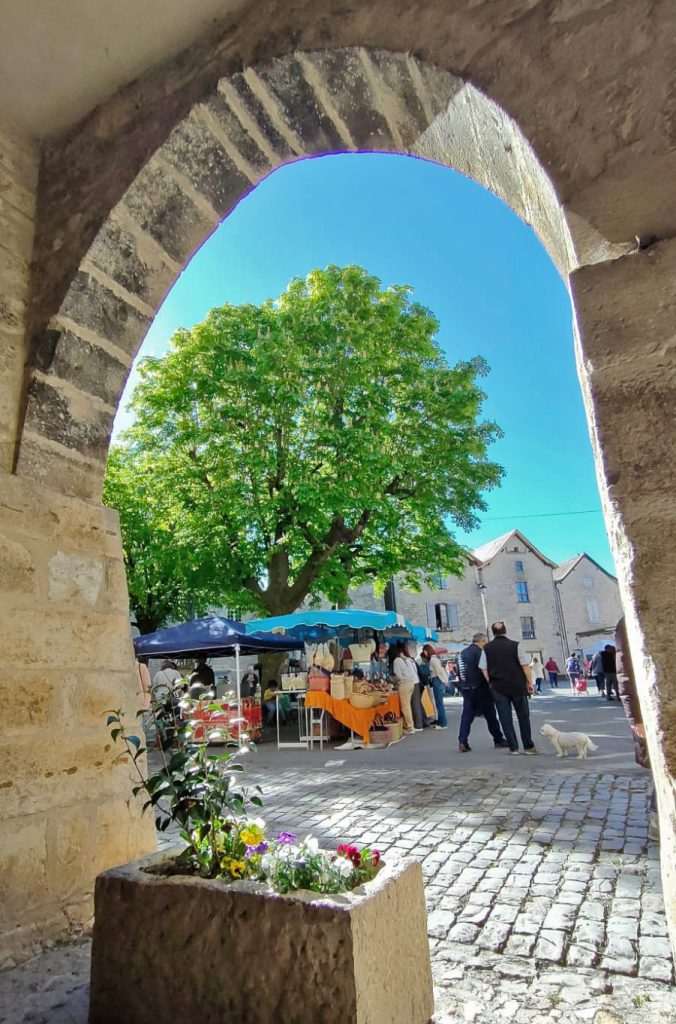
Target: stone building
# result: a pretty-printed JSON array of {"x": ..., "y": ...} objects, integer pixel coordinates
[
  {"x": 124, "y": 140},
  {"x": 545, "y": 606},
  {"x": 589, "y": 599}
]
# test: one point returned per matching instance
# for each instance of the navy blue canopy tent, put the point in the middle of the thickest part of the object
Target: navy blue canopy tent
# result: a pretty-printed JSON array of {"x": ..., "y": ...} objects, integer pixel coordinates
[{"x": 211, "y": 636}]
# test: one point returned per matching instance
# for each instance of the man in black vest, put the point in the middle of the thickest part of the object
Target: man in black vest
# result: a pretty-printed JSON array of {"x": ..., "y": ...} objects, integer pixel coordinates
[
  {"x": 507, "y": 669},
  {"x": 477, "y": 698}
]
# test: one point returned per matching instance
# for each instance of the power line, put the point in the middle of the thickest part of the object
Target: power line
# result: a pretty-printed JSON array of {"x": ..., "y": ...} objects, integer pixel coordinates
[{"x": 544, "y": 515}]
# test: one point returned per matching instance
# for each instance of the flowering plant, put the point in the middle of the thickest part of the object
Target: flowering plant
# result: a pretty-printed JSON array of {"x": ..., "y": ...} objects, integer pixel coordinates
[
  {"x": 200, "y": 791},
  {"x": 290, "y": 864}
]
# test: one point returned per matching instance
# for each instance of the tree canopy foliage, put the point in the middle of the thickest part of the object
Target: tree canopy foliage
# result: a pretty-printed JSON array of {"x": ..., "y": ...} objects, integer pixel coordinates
[{"x": 293, "y": 449}]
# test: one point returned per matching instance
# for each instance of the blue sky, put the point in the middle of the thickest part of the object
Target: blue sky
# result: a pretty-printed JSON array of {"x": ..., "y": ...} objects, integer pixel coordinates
[{"x": 481, "y": 271}]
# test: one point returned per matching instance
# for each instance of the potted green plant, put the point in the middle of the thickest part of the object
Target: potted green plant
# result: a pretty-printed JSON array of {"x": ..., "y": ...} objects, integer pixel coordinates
[{"x": 241, "y": 925}]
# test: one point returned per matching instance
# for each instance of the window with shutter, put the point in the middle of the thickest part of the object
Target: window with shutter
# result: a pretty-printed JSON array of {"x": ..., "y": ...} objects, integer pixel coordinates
[
  {"x": 441, "y": 611},
  {"x": 593, "y": 610},
  {"x": 453, "y": 619}
]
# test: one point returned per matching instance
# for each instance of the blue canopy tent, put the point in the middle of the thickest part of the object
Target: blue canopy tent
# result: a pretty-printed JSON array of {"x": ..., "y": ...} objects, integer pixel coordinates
[
  {"x": 211, "y": 636},
  {"x": 316, "y": 625}
]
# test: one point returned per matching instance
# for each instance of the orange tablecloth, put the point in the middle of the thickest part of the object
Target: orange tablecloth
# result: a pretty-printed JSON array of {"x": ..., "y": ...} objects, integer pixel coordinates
[{"x": 359, "y": 720}]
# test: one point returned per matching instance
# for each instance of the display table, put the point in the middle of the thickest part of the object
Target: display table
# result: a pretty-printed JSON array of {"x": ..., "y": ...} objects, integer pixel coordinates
[
  {"x": 358, "y": 720},
  {"x": 226, "y": 721}
]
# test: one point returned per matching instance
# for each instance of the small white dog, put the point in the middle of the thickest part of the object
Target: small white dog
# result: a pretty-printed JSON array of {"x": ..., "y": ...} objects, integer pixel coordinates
[{"x": 565, "y": 741}]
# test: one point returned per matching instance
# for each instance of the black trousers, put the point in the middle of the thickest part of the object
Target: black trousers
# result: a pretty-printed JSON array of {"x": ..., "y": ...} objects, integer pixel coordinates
[{"x": 477, "y": 703}]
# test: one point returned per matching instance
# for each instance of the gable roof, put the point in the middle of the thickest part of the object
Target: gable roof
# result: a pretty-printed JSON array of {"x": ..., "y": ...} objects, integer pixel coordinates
[
  {"x": 487, "y": 552},
  {"x": 565, "y": 568}
]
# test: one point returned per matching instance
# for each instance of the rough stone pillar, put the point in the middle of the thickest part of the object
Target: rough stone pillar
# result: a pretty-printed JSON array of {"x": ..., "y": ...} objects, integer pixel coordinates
[
  {"x": 627, "y": 315},
  {"x": 66, "y": 808}
]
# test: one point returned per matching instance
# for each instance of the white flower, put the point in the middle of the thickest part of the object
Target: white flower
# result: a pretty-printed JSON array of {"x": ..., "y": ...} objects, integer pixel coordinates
[
  {"x": 344, "y": 867},
  {"x": 311, "y": 844}
]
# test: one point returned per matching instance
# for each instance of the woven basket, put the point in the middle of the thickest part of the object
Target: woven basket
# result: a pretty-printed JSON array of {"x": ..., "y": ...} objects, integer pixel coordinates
[
  {"x": 367, "y": 700},
  {"x": 338, "y": 686}
]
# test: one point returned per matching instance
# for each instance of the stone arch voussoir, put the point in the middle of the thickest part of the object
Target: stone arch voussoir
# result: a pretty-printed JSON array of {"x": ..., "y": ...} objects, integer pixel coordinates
[{"x": 250, "y": 123}]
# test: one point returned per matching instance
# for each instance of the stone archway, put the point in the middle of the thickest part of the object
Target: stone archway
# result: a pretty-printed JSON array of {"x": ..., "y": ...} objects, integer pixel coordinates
[{"x": 109, "y": 245}]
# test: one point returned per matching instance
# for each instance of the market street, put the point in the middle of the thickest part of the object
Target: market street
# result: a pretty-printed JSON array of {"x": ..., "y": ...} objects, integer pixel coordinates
[{"x": 543, "y": 891}]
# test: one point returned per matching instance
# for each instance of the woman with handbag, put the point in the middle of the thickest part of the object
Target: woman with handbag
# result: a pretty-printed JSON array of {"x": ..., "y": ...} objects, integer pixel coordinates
[
  {"x": 405, "y": 671},
  {"x": 438, "y": 679}
]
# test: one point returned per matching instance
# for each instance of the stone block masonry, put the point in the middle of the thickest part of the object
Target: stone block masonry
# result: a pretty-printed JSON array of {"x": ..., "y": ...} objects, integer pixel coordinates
[{"x": 66, "y": 808}]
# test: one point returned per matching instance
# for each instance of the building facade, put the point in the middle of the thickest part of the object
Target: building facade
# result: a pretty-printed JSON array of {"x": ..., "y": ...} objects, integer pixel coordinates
[
  {"x": 590, "y": 601},
  {"x": 551, "y": 609}
]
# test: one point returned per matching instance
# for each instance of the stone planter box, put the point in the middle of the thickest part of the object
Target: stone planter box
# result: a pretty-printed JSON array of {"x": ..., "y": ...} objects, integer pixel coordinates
[{"x": 174, "y": 949}]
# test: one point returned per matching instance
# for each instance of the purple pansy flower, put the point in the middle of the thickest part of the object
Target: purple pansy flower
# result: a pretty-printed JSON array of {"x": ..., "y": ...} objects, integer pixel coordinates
[
  {"x": 286, "y": 837},
  {"x": 260, "y": 848}
]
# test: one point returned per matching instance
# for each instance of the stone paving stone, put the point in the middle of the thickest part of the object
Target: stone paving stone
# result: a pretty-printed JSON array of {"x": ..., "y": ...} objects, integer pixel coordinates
[
  {"x": 654, "y": 946},
  {"x": 463, "y": 932},
  {"x": 656, "y": 968},
  {"x": 550, "y": 945}
]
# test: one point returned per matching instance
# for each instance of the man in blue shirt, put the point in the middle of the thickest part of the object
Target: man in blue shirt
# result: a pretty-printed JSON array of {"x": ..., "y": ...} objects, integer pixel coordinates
[{"x": 477, "y": 698}]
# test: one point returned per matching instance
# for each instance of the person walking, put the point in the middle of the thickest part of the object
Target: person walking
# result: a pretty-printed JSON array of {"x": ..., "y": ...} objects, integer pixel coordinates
[
  {"x": 608, "y": 660},
  {"x": 574, "y": 671},
  {"x": 438, "y": 677},
  {"x": 596, "y": 672},
  {"x": 405, "y": 671},
  {"x": 553, "y": 672},
  {"x": 507, "y": 669},
  {"x": 477, "y": 698},
  {"x": 537, "y": 673}
]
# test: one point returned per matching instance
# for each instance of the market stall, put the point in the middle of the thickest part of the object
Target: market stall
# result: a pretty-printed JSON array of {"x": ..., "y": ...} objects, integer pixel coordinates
[
  {"x": 214, "y": 636},
  {"x": 347, "y": 668},
  {"x": 357, "y": 720}
]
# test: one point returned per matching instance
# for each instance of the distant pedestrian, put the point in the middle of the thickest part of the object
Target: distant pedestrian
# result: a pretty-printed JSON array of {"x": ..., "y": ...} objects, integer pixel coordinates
[
  {"x": 405, "y": 671},
  {"x": 553, "y": 671},
  {"x": 537, "y": 673},
  {"x": 610, "y": 671},
  {"x": 438, "y": 678},
  {"x": 574, "y": 671},
  {"x": 477, "y": 699},
  {"x": 628, "y": 695},
  {"x": 167, "y": 682},
  {"x": 596, "y": 672},
  {"x": 507, "y": 669},
  {"x": 274, "y": 707}
]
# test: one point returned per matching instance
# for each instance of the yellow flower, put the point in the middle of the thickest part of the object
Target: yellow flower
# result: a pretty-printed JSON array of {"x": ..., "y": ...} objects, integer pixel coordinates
[
  {"x": 251, "y": 835},
  {"x": 237, "y": 868}
]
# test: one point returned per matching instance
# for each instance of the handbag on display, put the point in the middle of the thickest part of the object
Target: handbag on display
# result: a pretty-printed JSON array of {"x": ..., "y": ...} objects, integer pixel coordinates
[
  {"x": 338, "y": 686},
  {"x": 317, "y": 679},
  {"x": 428, "y": 704}
]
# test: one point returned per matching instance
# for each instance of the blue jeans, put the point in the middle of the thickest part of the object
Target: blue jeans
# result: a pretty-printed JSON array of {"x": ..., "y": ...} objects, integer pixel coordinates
[
  {"x": 554, "y": 679},
  {"x": 504, "y": 705},
  {"x": 479, "y": 702},
  {"x": 438, "y": 691}
]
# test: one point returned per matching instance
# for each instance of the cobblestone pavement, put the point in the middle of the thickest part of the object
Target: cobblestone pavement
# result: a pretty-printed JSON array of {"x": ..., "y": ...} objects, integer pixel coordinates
[{"x": 543, "y": 891}]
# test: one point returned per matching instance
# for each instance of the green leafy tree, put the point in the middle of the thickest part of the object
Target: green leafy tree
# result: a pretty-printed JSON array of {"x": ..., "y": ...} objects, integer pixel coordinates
[
  {"x": 161, "y": 578},
  {"x": 293, "y": 449}
]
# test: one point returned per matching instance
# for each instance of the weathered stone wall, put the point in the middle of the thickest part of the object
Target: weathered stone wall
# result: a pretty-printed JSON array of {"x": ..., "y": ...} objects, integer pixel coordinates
[
  {"x": 18, "y": 183},
  {"x": 66, "y": 810},
  {"x": 574, "y": 597},
  {"x": 627, "y": 317}
]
